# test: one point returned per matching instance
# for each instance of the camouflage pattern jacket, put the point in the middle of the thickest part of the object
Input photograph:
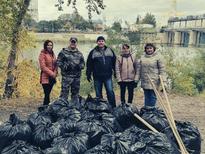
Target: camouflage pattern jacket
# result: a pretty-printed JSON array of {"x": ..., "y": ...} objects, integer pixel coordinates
[{"x": 70, "y": 62}]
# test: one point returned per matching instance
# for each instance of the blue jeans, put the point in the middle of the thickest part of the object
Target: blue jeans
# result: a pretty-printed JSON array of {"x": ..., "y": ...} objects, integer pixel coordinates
[
  {"x": 150, "y": 97},
  {"x": 98, "y": 83}
]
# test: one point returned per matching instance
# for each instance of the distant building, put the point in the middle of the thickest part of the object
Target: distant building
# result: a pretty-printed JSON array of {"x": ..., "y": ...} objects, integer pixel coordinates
[
  {"x": 137, "y": 27},
  {"x": 98, "y": 24},
  {"x": 33, "y": 10},
  {"x": 171, "y": 14}
]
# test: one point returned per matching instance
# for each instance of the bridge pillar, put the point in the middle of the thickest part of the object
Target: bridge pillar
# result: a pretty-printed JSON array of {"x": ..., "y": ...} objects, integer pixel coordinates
[
  {"x": 165, "y": 37},
  {"x": 177, "y": 38},
  {"x": 198, "y": 38},
  {"x": 192, "y": 38}
]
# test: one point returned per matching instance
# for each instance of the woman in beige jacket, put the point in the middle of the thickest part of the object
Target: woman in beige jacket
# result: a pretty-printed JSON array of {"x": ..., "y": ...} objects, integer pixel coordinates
[
  {"x": 151, "y": 63},
  {"x": 126, "y": 69}
]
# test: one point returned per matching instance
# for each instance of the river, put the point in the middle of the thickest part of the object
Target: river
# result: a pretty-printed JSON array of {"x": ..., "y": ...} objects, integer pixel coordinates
[{"x": 189, "y": 52}]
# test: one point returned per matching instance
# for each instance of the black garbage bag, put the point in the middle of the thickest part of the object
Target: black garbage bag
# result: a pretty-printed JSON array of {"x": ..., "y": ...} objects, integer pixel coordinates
[
  {"x": 14, "y": 129},
  {"x": 71, "y": 143},
  {"x": 77, "y": 102},
  {"x": 21, "y": 147},
  {"x": 86, "y": 114},
  {"x": 109, "y": 122},
  {"x": 155, "y": 117},
  {"x": 125, "y": 115},
  {"x": 71, "y": 115},
  {"x": 58, "y": 107},
  {"x": 93, "y": 128},
  {"x": 44, "y": 134},
  {"x": 119, "y": 142},
  {"x": 145, "y": 141},
  {"x": 189, "y": 134},
  {"x": 98, "y": 105},
  {"x": 36, "y": 118},
  {"x": 68, "y": 125},
  {"x": 100, "y": 149}
]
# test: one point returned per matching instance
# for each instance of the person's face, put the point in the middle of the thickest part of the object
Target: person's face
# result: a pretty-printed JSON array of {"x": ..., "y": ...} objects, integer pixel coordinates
[
  {"x": 101, "y": 43},
  {"x": 125, "y": 49},
  {"x": 73, "y": 44},
  {"x": 49, "y": 46},
  {"x": 149, "y": 50}
]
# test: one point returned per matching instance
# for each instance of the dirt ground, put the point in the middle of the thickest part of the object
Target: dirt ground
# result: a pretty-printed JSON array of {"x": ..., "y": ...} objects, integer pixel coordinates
[{"x": 184, "y": 108}]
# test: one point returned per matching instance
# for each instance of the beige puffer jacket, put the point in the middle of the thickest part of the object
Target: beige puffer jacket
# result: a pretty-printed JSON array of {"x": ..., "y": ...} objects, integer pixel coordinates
[
  {"x": 153, "y": 65},
  {"x": 126, "y": 67}
]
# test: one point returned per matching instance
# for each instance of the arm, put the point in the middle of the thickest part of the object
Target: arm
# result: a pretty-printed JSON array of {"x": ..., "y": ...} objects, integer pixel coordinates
[
  {"x": 117, "y": 69},
  {"x": 89, "y": 69},
  {"x": 82, "y": 62},
  {"x": 42, "y": 62},
  {"x": 60, "y": 61},
  {"x": 113, "y": 62},
  {"x": 162, "y": 69},
  {"x": 138, "y": 75},
  {"x": 135, "y": 65},
  {"x": 55, "y": 67}
]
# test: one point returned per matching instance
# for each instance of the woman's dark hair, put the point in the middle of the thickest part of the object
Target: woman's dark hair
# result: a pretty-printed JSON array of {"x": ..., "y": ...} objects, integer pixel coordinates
[
  {"x": 149, "y": 44},
  {"x": 46, "y": 44},
  {"x": 125, "y": 44}
]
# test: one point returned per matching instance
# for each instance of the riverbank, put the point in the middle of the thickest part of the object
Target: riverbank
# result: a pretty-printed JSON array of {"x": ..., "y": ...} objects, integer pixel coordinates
[{"x": 64, "y": 37}]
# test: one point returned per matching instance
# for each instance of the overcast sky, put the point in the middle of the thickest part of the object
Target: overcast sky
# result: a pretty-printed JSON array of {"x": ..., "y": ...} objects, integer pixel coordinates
[{"x": 123, "y": 9}]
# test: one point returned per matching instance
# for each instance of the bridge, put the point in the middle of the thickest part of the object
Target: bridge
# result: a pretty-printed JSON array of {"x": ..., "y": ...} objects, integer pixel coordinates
[{"x": 190, "y": 30}]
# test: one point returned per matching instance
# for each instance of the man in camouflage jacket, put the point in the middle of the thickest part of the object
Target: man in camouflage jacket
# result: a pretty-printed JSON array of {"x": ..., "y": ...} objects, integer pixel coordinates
[{"x": 71, "y": 62}]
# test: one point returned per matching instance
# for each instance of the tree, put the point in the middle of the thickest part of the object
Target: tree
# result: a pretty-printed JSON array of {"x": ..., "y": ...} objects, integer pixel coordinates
[
  {"x": 117, "y": 25},
  {"x": 12, "y": 14},
  {"x": 149, "y": 19},
  {"x": 67, "y": 25},
  {"x": 91, "y": 6}
]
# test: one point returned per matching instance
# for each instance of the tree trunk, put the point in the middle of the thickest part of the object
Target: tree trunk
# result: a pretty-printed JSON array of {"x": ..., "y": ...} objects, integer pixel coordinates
[{"x": 9, "y": 88}]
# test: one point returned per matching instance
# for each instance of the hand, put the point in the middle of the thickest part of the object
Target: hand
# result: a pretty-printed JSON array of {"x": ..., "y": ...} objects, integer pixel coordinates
[
  {"x": 77, "y": 67},
  {"x": 165, "y": 86},
  {"x": 54, "y": 75},
  {"x": 89, "y": 78},
  {"x": 135, "y": 84}
]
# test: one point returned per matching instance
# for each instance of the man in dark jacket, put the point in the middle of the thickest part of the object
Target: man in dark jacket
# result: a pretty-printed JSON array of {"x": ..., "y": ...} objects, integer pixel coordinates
[
  {"x": 101, "y": 64},
  {"x": 71, "y": 62}
]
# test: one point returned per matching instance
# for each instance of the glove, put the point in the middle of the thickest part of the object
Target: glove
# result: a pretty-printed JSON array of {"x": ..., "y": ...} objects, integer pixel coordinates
[
  {"x": 68, "y": 68},
  {"x": 77, "y": 67},
  {"x": 135, "y": 84},
  {"x": 89, "y": 78},
  {"x": 119, "y": 83}
]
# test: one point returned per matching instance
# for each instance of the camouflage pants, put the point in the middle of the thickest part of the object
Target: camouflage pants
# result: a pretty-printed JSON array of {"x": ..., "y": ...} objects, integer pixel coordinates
[{"x": 67, "y": 82}]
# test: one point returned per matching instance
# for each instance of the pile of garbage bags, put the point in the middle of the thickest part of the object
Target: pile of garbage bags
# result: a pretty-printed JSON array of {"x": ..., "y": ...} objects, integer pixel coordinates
[{"x": 92, "y": 126}]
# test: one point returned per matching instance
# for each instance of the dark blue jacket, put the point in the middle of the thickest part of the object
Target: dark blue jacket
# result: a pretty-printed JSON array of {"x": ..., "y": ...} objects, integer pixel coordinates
[{"x": 100, "y": 66}]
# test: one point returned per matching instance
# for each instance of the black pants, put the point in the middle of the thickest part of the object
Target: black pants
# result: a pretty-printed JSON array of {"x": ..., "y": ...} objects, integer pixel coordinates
[
  {"x": 47, "y": 90},
  {"x": 130, "y": 87}
]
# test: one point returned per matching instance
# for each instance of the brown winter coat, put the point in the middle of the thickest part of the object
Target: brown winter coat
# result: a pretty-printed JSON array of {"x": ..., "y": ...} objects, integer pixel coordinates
[
  {"x": 126, "y": 67},
  {"x": 47, "y": 63},
  {"x": 153, "y": 65}
]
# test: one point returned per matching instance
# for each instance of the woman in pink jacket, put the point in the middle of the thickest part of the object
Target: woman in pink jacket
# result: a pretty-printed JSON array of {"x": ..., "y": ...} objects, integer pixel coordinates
[
  {"x": 126, "y": 69},
  {"x": 47, "y": 60}
]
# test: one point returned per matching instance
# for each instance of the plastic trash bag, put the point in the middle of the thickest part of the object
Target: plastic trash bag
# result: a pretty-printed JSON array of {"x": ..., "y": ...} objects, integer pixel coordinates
[
  {"x": 70, "y": 143},
  {"x": 77, "y": 102},
  {"x": 93, "y": 128},
  {"x": 125, "y": 115},
  {"x": 100, "y": 149},
  {"x": 119, "y": 142},
  {"x": 21, "y": 147},
  {"x": 86, "y": 114},
  {"x": 14, "y": 129},
  {"x": 98, "y": 105},
  {"x": 189, "y": 134},
  {"x": 149, "y": 142},
  {"x": 44, "y": 134},
  {"x": 109, "y": 122},
  {"x": 36, "y": 118},
  {"x": 155, "y": 117}
]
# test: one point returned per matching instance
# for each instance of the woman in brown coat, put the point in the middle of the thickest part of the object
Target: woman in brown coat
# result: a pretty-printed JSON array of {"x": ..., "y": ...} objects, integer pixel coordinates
[
  {"x": 126, "y": 69},
  {"x": 47, "y": 60}
]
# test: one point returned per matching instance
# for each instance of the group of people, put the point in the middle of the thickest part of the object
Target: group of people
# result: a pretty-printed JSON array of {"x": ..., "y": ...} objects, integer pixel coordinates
[{"x": 101, "y": 64}]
